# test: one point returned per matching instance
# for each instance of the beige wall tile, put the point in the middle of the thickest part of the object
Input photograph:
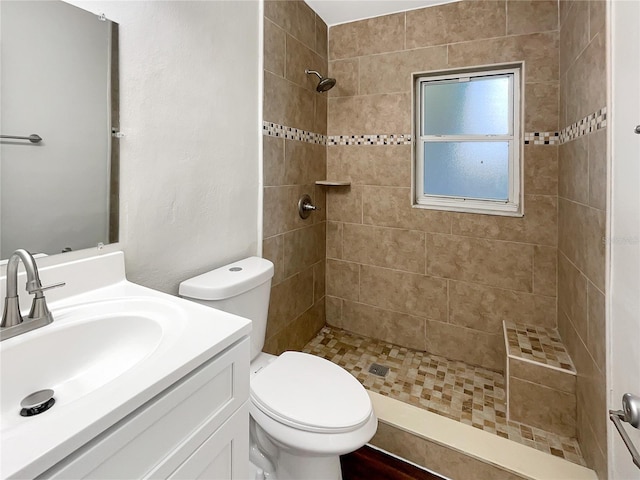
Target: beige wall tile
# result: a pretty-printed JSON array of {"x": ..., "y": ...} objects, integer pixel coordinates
[
  {"x": 334, "y": 311},
  {"x": 453, "y": 341},
  {"x": 587, "y": 81},
  {"x": 598, "y": 169},
  {"x": 304, "y": 162},
  {"x": 366, "y": 37},
  {"x": 539, "y": 224},
  {"x": 319, "y": 196},
  {"x": 289, "y": 299},
  {"x": 540, "y": 170},
  {"x": 273, "y": 250},
  {"x": 388, "y": 165},
  {"x": 596, "y": 335},
  {"x": 538, "y": 50},
  {"x": 385, "y": 247},
  {"x": 581, "y": 236},
  {"x": 597, "y": 17},
  {"x": 274, "y": 48},
  {"x": 371, "y": 114},
  {"x": 273, "y": 160},
  {"x": 547, "y": 377},
  {"x": 280, "y": 209},
  {"x": 334, "y": 240},
  {"x": 345, "y": 204},
  {"x": 531, "y": 16},
  {"x": 305, "y": 26},
  {"x": 455, "y": 22},
  {"x": 542, "y": 407},
  {"x": 391, "y": 72},
  {"x": 300, "y": 57},
  {"x": 322, "y": 37},
  {"x": 282, "y": 12},
  {"x": 400, "y": 443},
  {"x": 319, "y": 280},
  {"x": 393, "y": 327},
  {"x": 485, "y": 308},
  {"x": 563, "y": 9},
  {"x": 593, "y": 453},
  {"x": 322, "y": 105},
  {"x": 545, "y": 270},
  {"x": 541, "y": 107},
  {"x": 391, "y": 207},
  {"x": 572, "y": 295},
  {"x": 489, "y": 262},
  {"x": 297, "y": 333},
  {"x": 346, "y": 74},
  {"x": 287, "y": 104},
  {"x": 573, "y": 170},
  {"x": 417, "y": 295},
  {"x": 574, "y": 34},
  {"x": 304, "y": 247},
  {"x": 343, "y": 279}
]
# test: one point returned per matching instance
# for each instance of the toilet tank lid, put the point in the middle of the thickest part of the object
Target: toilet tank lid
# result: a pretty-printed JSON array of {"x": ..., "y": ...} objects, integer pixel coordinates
[{"x": 229, "y": 280}]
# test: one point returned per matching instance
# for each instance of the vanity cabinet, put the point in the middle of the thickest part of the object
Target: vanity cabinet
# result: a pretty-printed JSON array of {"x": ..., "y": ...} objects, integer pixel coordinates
[{"x": 197, "y": 428}]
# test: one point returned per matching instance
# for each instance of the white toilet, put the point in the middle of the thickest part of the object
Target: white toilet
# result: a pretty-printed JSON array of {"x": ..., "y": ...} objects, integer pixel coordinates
[{"x": 305, "y": 410}]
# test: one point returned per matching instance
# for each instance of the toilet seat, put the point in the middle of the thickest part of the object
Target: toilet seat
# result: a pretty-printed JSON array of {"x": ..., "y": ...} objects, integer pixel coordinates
[{"x": 311, "y": 394}]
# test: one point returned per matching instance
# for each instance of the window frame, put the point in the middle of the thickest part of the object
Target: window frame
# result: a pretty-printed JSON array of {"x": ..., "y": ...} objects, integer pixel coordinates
[{"x": 514, "y": 204}]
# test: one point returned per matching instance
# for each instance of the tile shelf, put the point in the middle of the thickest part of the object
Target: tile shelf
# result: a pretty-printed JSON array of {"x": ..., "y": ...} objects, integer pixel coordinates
[{"x": 329, "y": 183}]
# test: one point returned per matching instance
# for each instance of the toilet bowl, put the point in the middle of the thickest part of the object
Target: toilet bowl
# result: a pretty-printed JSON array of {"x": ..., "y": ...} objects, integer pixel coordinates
[{"x": 305, "y": 411}]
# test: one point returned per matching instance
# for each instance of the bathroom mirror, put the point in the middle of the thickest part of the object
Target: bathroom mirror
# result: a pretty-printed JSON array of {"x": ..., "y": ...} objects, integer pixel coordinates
[{"x": 59, "y": 81}]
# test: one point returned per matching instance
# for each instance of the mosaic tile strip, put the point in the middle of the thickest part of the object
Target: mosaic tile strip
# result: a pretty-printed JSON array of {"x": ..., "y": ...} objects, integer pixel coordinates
[
  {"x": 538, "y": 344},
  {"x": 469, "y": 394},
  {"x": 587, "y": 125},
  {"x": 290, "y": 133},
  {"x": 541, "y": 138},
  {"x": 369, "y": 140}
]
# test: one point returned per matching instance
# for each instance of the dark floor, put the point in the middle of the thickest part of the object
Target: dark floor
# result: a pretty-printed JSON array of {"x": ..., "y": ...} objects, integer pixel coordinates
[{"x": 368, "y": 464}]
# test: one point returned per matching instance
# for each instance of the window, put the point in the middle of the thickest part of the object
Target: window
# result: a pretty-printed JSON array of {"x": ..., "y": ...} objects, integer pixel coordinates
[{"x": 467, "y": 148}]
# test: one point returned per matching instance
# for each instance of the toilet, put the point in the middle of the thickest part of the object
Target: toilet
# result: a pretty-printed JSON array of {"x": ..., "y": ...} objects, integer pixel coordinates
[{"x": 305, "y": 410}]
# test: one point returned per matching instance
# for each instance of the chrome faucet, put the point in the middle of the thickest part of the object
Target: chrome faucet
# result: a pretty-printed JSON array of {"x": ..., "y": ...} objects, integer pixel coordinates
[{"x": 12, "y": 322}]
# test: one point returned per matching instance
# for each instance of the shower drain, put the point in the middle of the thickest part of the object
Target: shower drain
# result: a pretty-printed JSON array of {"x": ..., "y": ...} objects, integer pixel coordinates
[{"x": 379, "y": 370}]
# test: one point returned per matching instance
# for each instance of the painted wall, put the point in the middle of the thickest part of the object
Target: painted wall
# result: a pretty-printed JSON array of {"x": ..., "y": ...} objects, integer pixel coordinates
[
  {"x": 432, "y": 280},
  {"x": 189, "y": 109},
  {"x": 55, "y": 72},
  {"x": 295, "y": 39},
  {"x": 582, "y": 178}
]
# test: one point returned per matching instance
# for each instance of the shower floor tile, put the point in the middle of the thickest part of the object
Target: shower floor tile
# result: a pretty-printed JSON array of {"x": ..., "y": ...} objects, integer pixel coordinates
[{"x": 469, "y": 394}]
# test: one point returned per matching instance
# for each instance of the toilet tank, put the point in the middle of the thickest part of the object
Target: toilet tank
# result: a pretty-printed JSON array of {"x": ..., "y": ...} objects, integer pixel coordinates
[{"x": 242, "y": 288}]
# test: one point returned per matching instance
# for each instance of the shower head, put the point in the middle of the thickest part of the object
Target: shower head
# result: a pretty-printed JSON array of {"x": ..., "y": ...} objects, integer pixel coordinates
[{"x": 325, "y": 83}]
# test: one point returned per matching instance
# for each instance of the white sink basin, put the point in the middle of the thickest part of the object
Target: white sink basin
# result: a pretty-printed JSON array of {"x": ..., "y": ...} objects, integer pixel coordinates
[{"x": 113, "y": 346}]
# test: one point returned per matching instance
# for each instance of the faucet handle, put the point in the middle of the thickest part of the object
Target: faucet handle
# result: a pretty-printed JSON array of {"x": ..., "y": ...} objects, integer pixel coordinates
[{"x": 42, "y": 288}]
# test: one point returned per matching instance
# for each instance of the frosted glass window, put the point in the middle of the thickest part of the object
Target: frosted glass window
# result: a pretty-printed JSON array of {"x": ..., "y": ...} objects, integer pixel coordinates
[
  {"x": 467, "y": 169},
  {"x": 467, "y": 146},
  {"x": 478, "y": 106}
]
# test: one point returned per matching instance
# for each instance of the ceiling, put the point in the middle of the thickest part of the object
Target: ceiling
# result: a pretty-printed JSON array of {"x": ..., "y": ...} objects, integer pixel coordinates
[{"x": 334, "y": 12}]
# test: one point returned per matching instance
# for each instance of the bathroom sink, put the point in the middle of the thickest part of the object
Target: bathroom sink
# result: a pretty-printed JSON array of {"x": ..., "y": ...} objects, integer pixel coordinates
[{"x": 113, "y": 346}]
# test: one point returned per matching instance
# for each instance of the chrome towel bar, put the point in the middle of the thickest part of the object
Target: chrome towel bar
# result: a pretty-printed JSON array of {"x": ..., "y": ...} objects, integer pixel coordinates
[
  {"x": 630, "y": 413},
  {"x": 33, "y": 138}
]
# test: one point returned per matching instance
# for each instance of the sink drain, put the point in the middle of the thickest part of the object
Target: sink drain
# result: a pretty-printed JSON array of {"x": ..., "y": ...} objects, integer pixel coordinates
[{"x": 37, "y": 402}]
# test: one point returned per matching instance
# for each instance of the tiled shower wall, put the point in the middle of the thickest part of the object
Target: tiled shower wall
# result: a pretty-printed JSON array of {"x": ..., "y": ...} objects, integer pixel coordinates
[
  {"x": 295, "y": 38},
  {"x": 582, "y": 219},
  {"x": 438, "y": 281}
]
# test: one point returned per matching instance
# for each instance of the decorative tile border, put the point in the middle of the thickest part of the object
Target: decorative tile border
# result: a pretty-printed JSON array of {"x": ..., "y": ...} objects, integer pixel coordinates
[
  {"x": 588, "y": 124},
  {"x": 290, "y": 133},
  {"x": 369, "y": 140}
]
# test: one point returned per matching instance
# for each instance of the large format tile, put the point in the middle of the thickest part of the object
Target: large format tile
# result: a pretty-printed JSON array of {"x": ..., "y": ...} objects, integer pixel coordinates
[
  {"x": 273, "y": 250},
  {"x": 334, "y": 240},
  {"x": 598, "y": 169},
  {"x": 346, "y": 74},
  {"x": 391, "y": 72},
  {"x": 573, "y": 170},
  {"x": 574, "y": 35},
  {"x": 289, "y": 299},
  {"x": 286, "y": 103},
  {"x": 273, "y": 160},
  {"x": 388, "y": 165},
  {"x": 538, "y": 50},
  {"x": 343, "y": 279},
  {"x": 274, "y": 48},
  {"x": 417, "y": 295},
  {"x": 344, "y": 204},
  {"x": 303, "y": 247},
  {"x": 485, "y": 308},
  {"x": 366, "y": 37},
  {"x": 305, "y": 162},
  {"x": 541, "y": 107},
  {"x": 299, "y": 58},
  {"x": 489, "y": 262},
  {"x": 540, "y": 169},
  {"x": 572, "y": 295},
  {"x": 531, "y": 16},
  {"x": 385, "y": 247},
  {"x": 545, "y": 270},
  {"x": 455, "y": 22},
  {"x": 371, "y": 114}
]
